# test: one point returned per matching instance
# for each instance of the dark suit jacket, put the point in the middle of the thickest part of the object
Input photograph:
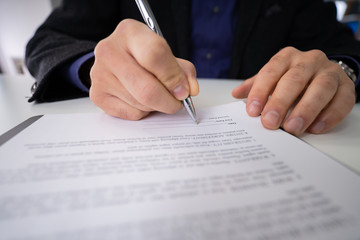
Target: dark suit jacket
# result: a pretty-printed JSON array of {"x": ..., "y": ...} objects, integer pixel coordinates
[{"x": 263, "y": 28}]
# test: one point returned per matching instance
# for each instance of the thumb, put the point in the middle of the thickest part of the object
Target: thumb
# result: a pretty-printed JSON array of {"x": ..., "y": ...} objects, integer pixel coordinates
[
  {"x": 243, "y": 90},
  {"x": 190, "y": 73}
]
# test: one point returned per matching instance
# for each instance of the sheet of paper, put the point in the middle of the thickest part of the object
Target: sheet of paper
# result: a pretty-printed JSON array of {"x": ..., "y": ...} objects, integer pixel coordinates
[{"x": 91, "y": 176}]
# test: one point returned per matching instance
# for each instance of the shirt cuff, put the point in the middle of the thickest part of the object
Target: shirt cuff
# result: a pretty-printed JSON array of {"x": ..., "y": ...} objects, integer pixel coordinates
[
  {"x": 73, "y": 71},
  {"x": 352, "y": 62}
]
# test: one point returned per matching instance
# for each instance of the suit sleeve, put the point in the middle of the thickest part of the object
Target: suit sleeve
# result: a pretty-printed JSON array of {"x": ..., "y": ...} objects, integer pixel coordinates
[
  {"x": 71, "y": 31},
  {"x": 317, "y": 28}
]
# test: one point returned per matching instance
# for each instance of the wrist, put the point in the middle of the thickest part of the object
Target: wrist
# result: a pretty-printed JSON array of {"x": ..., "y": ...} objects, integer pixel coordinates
[{"x": 348, "y": 70}]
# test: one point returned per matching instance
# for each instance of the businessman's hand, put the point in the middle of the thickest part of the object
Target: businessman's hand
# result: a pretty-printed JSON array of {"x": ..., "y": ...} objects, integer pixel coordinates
[
  {"x": 136, "y": 73},
  {"x": 301, "y": 91}
]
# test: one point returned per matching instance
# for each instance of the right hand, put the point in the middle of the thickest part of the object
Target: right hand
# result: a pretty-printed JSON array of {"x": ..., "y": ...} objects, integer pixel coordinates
[{"x": 135, "y": 73}]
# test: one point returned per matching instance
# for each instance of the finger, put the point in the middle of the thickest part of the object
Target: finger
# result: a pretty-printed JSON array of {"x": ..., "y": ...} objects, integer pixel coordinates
[
  {"x": 317, "y": 96},
  {"x": 339, "y": 107},
  {"x": 116, "y": 107},
  {"x": 108, "y": 84},
  {"x": 243, "y": 90},
  {"x": 290, "y": 86},
  {"x": 100, "y": 94},
  {"x": 156, "y": 57},
  {"x": 266, "y": 80},
  {"x": 190, "y": 73},
  {"x": 147, "y": 89}
]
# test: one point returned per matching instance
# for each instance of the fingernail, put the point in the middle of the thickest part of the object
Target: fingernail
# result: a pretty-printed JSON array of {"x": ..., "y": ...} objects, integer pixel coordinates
[
  {"x": 180, "y": 92},
  {"x": 254, "y": 108},
  {"x": 272, "y": 119},
  {"x": 318, "y": 127},
  {"x": 295, "y": 125}
]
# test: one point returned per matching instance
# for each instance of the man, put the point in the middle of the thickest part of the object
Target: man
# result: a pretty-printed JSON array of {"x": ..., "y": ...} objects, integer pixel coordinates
[{"x": 287, "y": 49}]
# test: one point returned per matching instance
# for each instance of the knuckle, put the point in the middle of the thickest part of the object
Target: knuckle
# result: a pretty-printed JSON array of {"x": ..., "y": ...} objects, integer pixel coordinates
[
  {"x": 288, "y": 50},
  {"x": 132, "y": 114},
  {"x": 98, "y": 79},
  {"x": 100, "y": 47},
  {"x": 126, "y": 113},
  {"x": 268, "y": 70},
  {"x": 94, "y": 74},
  {"x": 186, "y": 64},
  {"x": 297, "y": 75},
  {"x": 120, "y": 111},
  {"x": 157, "y": 49},
  {"x": 309, "y": 109},
  {"x": 172, "y": 80},
  {"x": 125, "y": 26},
  {"x": 316, "y": 54},
  {"x": 103, "y": 49},
  {"x": 300, "y": 67},
  {"x": 329, "y": 81},
  {"x": 278, "y": 58},
  {"x": 159, "y": 44},
  {"x": 147, "y": 94},
  {"x": 96, "y": 97}
]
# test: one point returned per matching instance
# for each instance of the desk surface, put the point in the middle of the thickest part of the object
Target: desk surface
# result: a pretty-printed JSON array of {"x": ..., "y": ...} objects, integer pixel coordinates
[{"x": 342, "y": 143}]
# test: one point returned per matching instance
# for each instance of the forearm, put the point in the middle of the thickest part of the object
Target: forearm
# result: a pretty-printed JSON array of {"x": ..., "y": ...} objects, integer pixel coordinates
[
  {"x": 70, "y": 32},
  {"x": 45, "y": 56}
]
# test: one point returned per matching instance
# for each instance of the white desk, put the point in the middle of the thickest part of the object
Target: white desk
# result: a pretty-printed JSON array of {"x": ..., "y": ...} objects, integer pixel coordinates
[{"x": 342, "y": 143}]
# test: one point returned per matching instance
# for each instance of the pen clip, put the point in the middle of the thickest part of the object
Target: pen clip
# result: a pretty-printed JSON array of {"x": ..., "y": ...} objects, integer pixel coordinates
[{"x": 148, "y": 16}]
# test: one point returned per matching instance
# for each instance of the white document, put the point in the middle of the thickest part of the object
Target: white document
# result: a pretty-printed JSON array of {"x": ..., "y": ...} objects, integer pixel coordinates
[{"x": 91, "y": 176}]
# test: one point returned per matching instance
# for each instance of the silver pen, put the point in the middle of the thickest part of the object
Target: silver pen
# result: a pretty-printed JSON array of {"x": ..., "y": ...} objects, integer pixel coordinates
[{"x": 150, "y": 20}]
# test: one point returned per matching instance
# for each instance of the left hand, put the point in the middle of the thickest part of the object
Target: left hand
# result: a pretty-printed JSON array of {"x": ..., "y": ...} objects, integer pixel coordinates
[{"x": 300, "y": 91}]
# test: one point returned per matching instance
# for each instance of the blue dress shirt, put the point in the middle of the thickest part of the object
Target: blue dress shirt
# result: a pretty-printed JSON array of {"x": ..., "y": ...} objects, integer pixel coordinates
[{"x": 212, "y": 34}]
